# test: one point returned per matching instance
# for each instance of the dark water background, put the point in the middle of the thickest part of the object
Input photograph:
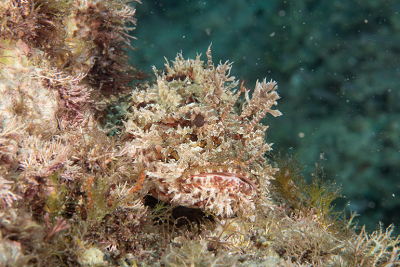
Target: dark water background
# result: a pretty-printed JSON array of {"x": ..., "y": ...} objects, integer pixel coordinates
[{"x": 337, "y": 64}]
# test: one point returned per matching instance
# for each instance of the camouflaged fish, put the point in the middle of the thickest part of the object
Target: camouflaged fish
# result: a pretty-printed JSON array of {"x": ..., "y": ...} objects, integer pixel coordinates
[{"x": 198, "y": 146}]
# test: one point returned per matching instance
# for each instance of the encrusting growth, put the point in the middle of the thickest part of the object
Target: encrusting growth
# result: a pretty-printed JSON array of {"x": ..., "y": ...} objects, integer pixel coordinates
[
  {"x": 75, "y": 179},
  {"x": 196, "y": 148}
]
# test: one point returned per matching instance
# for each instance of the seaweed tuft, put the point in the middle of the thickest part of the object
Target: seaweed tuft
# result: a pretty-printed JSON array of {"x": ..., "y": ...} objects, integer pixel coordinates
[{"x": 289, "y": 183}]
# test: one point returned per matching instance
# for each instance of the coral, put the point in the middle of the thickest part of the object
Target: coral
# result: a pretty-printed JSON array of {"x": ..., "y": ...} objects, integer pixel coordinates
[{"x": 196, "y": 149}]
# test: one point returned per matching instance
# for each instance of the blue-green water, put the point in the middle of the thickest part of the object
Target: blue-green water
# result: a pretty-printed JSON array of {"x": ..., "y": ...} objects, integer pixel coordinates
[{"x": 338, "y": 70}]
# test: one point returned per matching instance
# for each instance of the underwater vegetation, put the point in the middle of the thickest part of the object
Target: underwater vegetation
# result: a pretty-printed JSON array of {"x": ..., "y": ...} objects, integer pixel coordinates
[{"x": 97, "y": 171}]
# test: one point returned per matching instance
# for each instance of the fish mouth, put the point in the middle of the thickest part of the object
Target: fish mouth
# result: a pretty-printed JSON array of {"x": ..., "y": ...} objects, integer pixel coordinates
[{"x": 229, "y": 175}]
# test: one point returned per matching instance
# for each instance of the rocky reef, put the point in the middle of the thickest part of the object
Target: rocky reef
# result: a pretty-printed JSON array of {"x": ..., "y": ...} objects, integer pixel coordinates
[{"x": 98, "y": 171}]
